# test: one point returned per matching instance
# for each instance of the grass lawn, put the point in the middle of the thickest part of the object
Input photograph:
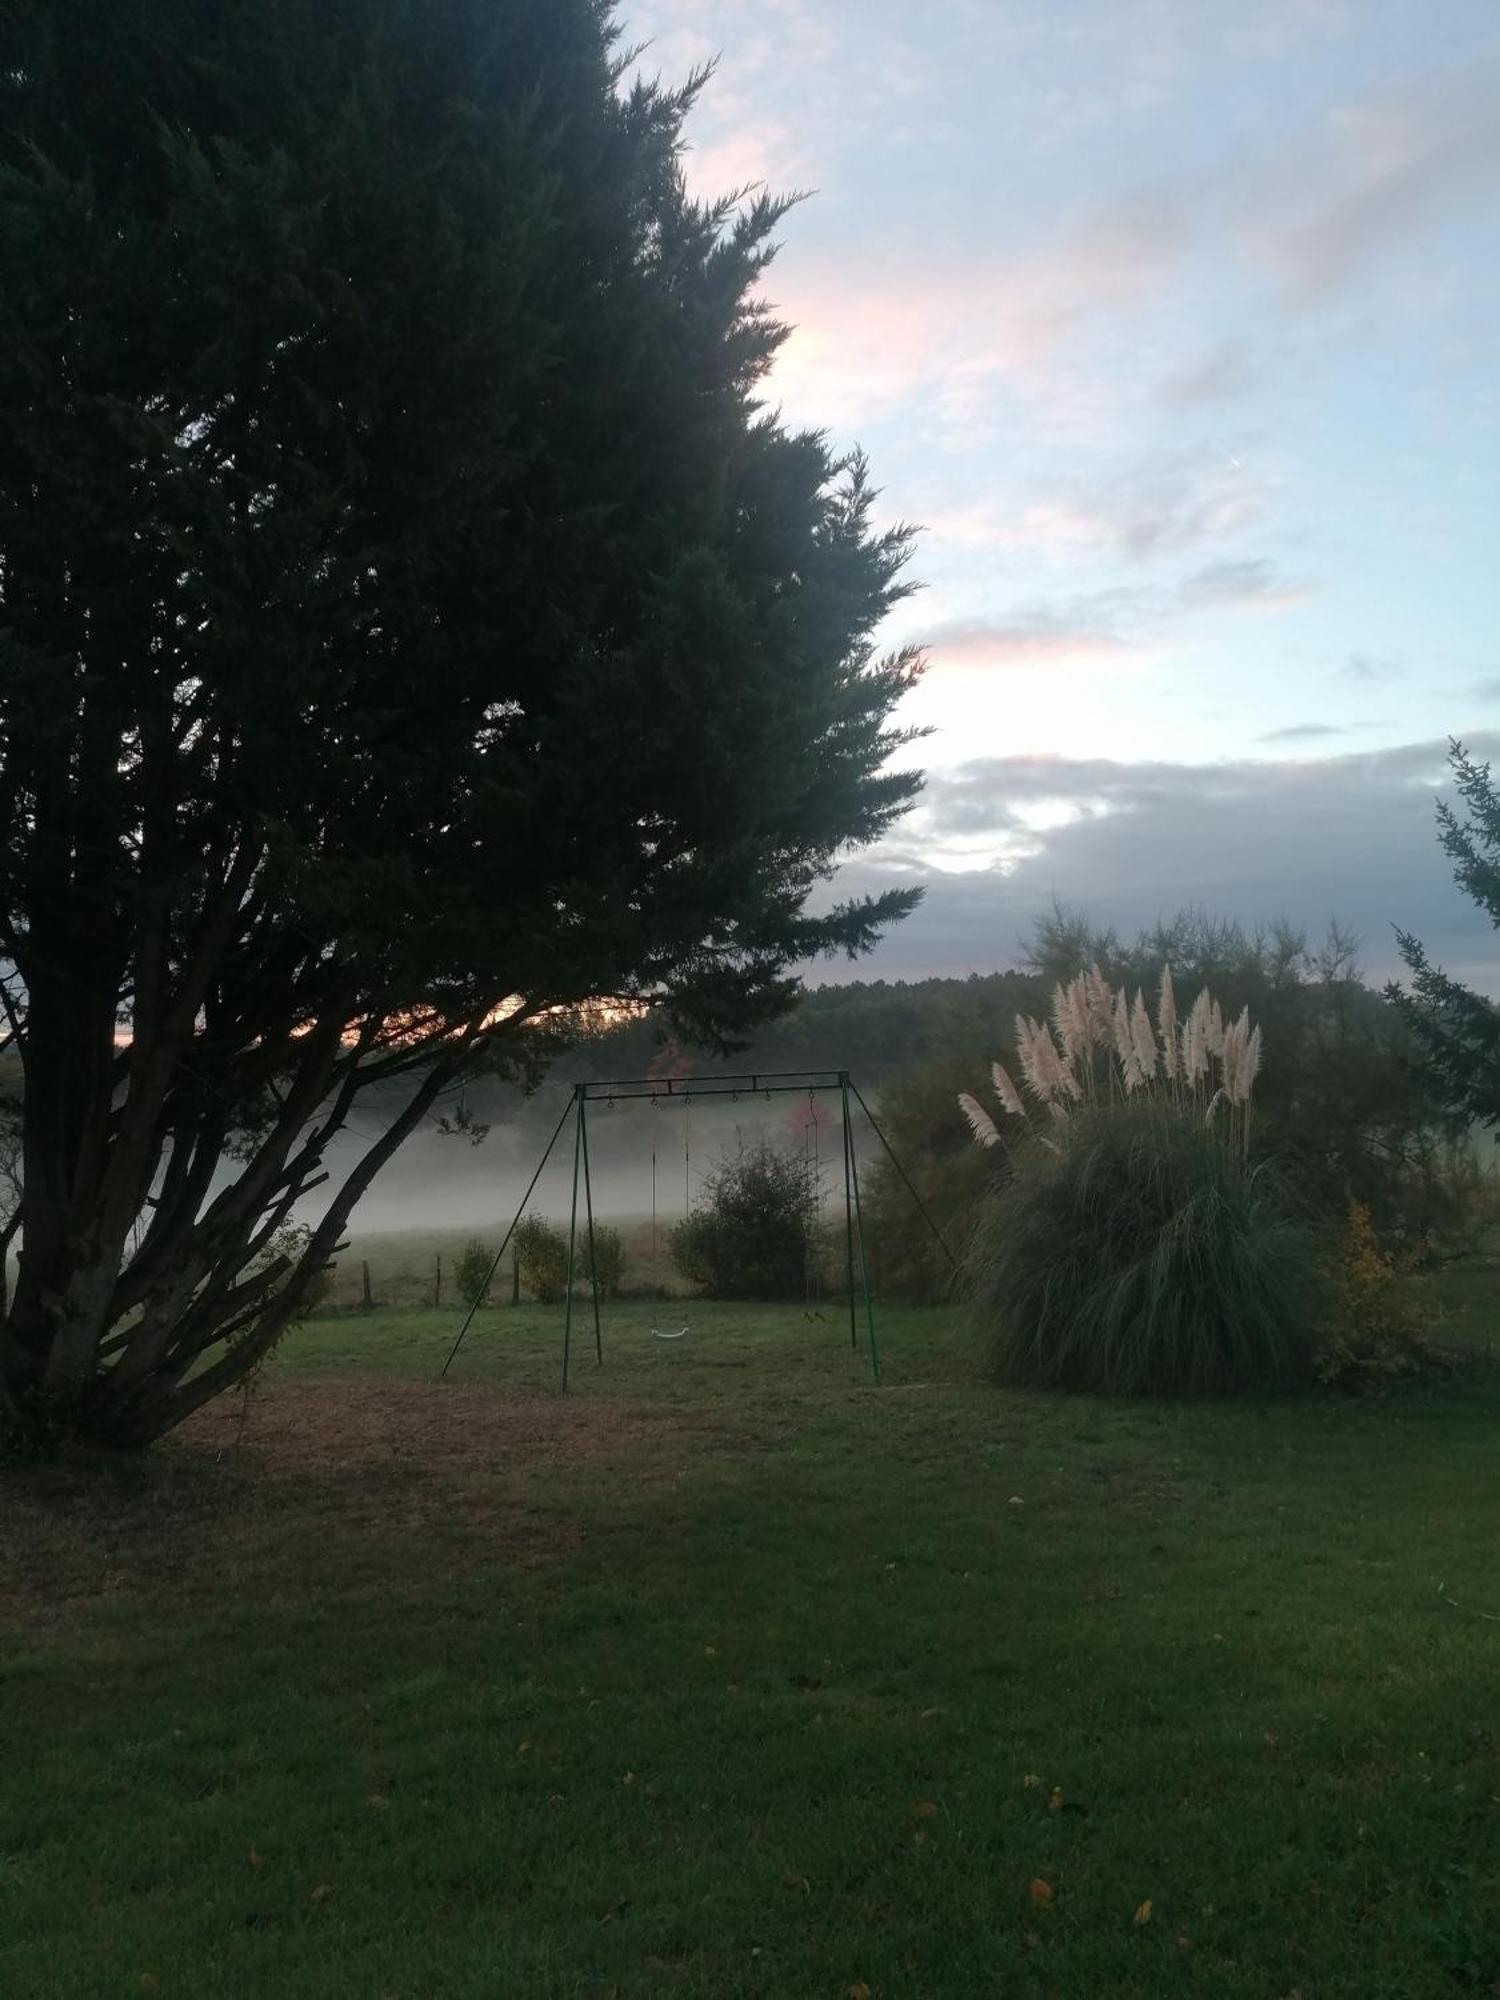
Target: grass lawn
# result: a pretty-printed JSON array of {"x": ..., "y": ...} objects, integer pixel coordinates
[{"x": 732, "y": 1674}]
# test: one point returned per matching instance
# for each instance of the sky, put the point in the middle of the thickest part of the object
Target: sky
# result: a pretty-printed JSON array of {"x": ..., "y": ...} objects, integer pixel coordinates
[{"x": 1175, "y": 325}]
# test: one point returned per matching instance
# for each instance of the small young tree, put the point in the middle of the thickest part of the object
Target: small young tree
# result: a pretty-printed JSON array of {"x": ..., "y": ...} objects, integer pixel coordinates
[
  {"x": 541, "y": 1253},
  {"x": 1456, "y": 1030},
  {"x": 752, "y": 1235},
  {"x": 607, "y": 1264},
  {"x": 471, "y": 1273}
]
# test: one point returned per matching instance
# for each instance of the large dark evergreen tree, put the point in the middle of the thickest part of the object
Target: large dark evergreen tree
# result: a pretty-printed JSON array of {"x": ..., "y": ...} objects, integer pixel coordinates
[
  {"x": 1456, "y": 1030},
  {"x": 410, "y": 624}
]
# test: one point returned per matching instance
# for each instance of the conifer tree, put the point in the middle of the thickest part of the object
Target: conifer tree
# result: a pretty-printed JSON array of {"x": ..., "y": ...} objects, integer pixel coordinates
[{"x": 413, "y": 625}]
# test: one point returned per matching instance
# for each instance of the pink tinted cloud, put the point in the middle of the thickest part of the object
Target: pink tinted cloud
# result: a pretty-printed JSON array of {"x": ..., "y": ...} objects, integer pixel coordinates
[
  {"x": 1028, "y": 639},
  {"x": 872, "y": 330}
]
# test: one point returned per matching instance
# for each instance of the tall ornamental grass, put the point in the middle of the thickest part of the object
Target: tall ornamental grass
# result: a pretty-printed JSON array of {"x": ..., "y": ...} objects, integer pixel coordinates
[{"x": 1133, "y": 1249}]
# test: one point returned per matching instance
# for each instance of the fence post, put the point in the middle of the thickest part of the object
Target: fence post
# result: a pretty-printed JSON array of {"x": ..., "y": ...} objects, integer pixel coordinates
[
  {"x": 368, "y": 1300},
  {"x": 437, "y": 1281}
]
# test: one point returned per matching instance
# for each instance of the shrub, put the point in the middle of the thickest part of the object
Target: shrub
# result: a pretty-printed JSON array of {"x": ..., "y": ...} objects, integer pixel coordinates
[
  {"x": 608, "y": 1260},
  {"x": 1137, "y": 1255},
  {"x": 471, "y": 1272},
  {"x": 1376, "y": 1328},
  {"x": 753, "y": 1234},
  {"x": 541, "y": 1251}
]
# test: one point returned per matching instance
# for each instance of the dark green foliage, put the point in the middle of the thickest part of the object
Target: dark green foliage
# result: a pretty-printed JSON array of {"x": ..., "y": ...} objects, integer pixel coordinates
[
  {"x": 471, "y": 1271},
  {"x": 1457, "y": 1031},
  {"x": 753, "y": 1235},
  {"x": 541, "y": 1252},
  {"x": 1140, "y": 1258},
  {"x": 406, "y": 607},
  {"x": 607, "y": 1264}
]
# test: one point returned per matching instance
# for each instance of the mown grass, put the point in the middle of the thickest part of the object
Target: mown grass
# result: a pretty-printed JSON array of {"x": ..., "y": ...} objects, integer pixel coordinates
[{"x": 736, "y": 1675}]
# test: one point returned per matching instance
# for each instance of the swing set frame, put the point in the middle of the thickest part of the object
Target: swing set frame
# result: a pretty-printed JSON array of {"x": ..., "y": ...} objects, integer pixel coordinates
[{"x": 684, "y": 1090}]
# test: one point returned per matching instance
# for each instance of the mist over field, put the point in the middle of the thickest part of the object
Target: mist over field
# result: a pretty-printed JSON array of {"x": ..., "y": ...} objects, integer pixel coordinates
[{"x": 442, "y": 1181}]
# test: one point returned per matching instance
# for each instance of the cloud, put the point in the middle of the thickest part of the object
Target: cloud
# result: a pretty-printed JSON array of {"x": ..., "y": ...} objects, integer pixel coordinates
[
  {"x": 1300, "y": 732},
  {"x": 1486, "y": 690},
  {"x": 1084, "y": 630},
  {"x": 1224, "y": 371},
  {"x": 1370, "y": 669},
  {"x": 1160, "y": 503},
  {"x": 895, "y": 321},
  {"x": 1381, "y": 173},
  {"x": 1251, "y": 584},
  {"x": 1350, "y": 836}
]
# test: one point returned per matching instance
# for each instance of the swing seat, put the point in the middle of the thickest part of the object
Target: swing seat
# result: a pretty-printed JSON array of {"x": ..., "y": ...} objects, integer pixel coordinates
[{"x": 681, "y": 1334}]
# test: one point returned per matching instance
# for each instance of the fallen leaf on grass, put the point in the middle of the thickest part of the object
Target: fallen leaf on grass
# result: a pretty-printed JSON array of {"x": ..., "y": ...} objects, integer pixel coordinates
[
  {"x": 615, "y": 1911},
  {"x": 797, "y": 1882},
  {"x": 149, "y": 1983},
  {"x": 321, "y": 1894},
  {"x": 1042, "y": 1894},
  {"x": 253, "y": 1858},
  {"x": 376, "y": 1802},
  {"x": 1142, "y": 1913},
  {"x": 859, "y": 1991},
  {"x": 924, "y": 1809},
  {"x": 1031, "y": 1781},
  {"x": 809, "y": 1683},
  {"x": 1055, "y": 1802}
]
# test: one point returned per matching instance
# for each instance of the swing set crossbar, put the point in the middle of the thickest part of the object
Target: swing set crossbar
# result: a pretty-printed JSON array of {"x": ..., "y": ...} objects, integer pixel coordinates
[{"x": 763, "y": 1083}]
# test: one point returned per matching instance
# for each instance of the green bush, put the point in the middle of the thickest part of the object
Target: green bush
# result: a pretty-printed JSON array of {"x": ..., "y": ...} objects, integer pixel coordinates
[
  {"x": 541, "y": 1251},
  {"x": 471, "y": 1273},
  {"x": 608, "y": 1260},
  {"x": 1135, "y": 1254},
  {"x": 753, "y": 1233}
]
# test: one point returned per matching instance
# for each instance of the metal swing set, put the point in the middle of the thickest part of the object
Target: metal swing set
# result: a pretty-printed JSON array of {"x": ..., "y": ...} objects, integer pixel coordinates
[{"x": 679, "y": 1090}]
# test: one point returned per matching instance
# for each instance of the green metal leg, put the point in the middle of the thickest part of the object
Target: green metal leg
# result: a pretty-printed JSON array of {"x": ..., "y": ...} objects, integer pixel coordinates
[
  {"x": 572, "y": 1239},
  {"x": 588, "y": 1203},
  {"x": 849, "y": 1213},
  {"x": 864, "y": 1262}
]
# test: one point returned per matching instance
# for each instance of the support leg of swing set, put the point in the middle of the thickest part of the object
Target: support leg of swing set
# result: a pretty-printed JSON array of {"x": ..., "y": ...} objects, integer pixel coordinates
[
  {"x": 849, "y": 1214},
  {"x": 588, "y": 1204},
  {"x": 906, "y": 1182},
  {"x": 572, "y": 1233},
  {"x": 864, "y": 1262},
  {"x": 505, "y": 1239}
]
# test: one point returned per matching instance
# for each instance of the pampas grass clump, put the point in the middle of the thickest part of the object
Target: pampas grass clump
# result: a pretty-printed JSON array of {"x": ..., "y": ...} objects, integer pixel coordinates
[
  {"x": 1141, "y": 1257},
  {"x": 1133, "y": 1249}
]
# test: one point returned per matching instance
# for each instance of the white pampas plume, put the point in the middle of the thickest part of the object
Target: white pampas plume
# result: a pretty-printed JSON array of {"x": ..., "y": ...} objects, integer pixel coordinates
[
  {"x": 1215, "y": 1036},
  {"x": 1047, "y": 1075},
  {"x": 1166, "y": 1021},
  {"x": 1006, "y": 1091},
  {"x": 1120, "y": 1025},
  {"x": 1213, "y": 1104},
  {"x": 981, "y": 1124},
  {"x": 1059, "y": 1111},
  {"x": 1070, "y": 1014},
  {"x": 1130, "y": 1062},
  {"x": 1252, "y": 1062},
  {"x": 1237, "y": 1072},
  {"x": 1145, "y": 1041},
  {"x": 1028, "y": 1035},
  {"x": 1195, "y": 1041},
  {"x": 1065, "y": 1081}
]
